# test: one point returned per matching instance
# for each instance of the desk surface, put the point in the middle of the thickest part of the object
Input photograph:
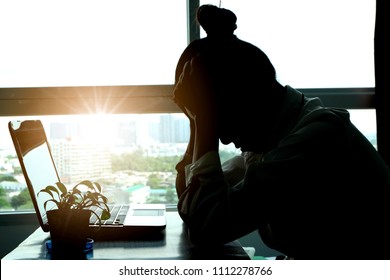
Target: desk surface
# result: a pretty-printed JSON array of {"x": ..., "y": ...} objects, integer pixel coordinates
[{"x": 173, "y": 245}]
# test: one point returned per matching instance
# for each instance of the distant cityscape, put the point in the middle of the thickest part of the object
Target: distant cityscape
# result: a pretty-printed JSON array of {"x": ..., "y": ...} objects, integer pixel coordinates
[
  {"x": 84, "y": 149},
  {"x": 73, "y": 147},
  {"x": 163, "y": 128}
]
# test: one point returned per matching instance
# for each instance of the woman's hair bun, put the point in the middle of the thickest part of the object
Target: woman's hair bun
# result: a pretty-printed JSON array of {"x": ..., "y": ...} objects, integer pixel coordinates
[{"x": 216, "y": 21}]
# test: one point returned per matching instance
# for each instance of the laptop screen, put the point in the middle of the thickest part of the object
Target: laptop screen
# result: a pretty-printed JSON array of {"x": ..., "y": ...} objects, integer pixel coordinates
[{"x": 36, "y": 161}]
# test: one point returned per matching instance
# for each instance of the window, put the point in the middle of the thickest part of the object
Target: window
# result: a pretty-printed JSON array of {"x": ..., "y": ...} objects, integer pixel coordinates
[
  {"x": 365, "y": 121},
  {"x": 76, "y": 57},
  {"x": 90, "y": 42},
  {"x": 325, "y": 48},
  {"x": 132, "y": 156},
  {"x": 98, "y": 63},
  {"x": 312, "y": 44}
]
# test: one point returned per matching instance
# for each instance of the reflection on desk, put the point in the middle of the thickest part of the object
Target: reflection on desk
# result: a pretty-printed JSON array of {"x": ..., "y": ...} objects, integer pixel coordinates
[{"x": 173, "y": 244}]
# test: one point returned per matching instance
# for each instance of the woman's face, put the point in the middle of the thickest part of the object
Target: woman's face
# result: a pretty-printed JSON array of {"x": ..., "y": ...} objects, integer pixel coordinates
[
  {"x": 234, "y": 126},
  {"x": 243, "y": 128}
]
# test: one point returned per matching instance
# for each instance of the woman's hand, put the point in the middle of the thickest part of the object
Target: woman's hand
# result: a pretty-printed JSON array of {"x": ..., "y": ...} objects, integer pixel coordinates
[
  {"x": 193, "y": 92},
  {"x": 195, "y": 95}
]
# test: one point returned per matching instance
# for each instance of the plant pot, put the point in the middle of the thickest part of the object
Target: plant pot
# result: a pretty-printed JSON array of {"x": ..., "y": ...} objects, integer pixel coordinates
[{"x": 68, "y": 230}]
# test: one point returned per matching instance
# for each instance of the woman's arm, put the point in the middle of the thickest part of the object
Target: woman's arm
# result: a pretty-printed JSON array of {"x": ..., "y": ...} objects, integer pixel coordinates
[{"x": 186, "y": 159}]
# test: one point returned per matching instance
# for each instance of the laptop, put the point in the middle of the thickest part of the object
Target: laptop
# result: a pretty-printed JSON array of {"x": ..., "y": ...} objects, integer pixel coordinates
[{"x": 39, "y": 170}]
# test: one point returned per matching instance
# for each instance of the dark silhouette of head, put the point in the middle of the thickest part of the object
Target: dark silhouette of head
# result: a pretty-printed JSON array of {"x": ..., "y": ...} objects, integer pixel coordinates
[
  {"x": 240, "y": 73},
  {"x": 216, "y": 21}
]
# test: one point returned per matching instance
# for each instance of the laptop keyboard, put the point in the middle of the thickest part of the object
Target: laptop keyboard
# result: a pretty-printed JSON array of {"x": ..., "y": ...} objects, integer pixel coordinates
[{"x": 118, "y": 215}]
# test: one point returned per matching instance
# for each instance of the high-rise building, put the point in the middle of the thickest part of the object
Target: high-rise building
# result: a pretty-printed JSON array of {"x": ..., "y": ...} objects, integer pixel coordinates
[{"x": 77, "y": 160}]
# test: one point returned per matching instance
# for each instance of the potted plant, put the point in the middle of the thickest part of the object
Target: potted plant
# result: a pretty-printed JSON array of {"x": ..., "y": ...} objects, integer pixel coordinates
[{"x": 70, "y": 211}]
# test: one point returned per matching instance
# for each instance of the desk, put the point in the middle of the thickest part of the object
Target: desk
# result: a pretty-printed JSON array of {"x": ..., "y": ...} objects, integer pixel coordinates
[{"x": 173, "y": 245}]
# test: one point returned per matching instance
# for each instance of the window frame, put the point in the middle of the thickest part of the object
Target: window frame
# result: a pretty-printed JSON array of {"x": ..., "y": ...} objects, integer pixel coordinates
[
  {"x": 137, "y": 99},
  {"x": 144, "y": 99}
]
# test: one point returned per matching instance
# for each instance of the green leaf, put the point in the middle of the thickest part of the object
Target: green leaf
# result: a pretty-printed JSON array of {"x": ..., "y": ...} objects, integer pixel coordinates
[
  {"x": 52, "y": 188},
  {"x": 94, "y": 196},
  {"x": 50, "y": 200},
  {"x": 87, "y": 183},
  {"x": 98, "y": 187},
  {"x": 79, "y": 198},
  {"x": 76, "y": 191},
  {"x": 105, "y": 215},
  {"x": 46, "y": 191},
  {"x": 62, "y": 187},
  {"x": 105, "y": 199},
  {"x": 97, "y": 216}
]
